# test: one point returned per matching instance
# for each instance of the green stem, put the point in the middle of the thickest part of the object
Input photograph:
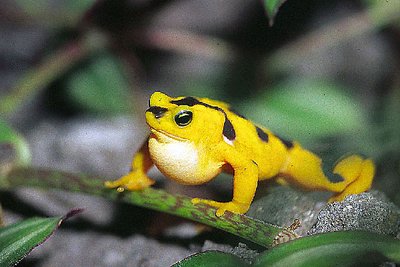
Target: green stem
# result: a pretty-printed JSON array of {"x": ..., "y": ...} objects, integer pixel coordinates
[{"x": 240, "y": 225}]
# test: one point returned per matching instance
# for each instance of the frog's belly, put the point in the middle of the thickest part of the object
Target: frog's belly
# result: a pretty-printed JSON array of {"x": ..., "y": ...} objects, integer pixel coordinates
[{"x": 180, "y": 161}]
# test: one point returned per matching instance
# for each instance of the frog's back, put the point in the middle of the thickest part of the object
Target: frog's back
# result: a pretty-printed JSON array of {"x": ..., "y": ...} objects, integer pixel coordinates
[
  {"x": 266, "y": 149},
  {"x": 259, "y": 144},
  {"x": 255, "y": 142}
]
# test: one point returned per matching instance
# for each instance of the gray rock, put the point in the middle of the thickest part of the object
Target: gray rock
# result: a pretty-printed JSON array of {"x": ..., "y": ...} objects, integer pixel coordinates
[
  {"x": 370, "y": 211},
  {"x": 210, "y": 245},
  {"x": 245, "y": 253},
  {"x": 67, "y": 248},
  {"x": 282, "y": 205},
  {"x": 95, "y": 146}
]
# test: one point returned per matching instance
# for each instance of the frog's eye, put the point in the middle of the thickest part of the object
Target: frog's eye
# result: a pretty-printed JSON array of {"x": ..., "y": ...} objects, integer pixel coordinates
[{"x": 183, "y": 118}]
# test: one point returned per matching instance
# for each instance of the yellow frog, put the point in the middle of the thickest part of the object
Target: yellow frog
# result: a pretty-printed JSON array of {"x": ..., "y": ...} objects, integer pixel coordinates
[{"x": 192, "y": 140}]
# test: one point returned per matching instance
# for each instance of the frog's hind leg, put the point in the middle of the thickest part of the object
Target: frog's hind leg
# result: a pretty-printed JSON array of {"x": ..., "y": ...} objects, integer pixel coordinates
[
  {"x": 351, "y": 175},
  {"x": 357, "y": 170}
]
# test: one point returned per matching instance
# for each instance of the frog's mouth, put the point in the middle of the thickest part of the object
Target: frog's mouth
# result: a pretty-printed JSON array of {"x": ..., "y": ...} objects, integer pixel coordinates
[{"x": 164, "y": 137}]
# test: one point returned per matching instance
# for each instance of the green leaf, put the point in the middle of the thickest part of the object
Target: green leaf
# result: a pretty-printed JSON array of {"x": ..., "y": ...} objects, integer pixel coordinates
[
  {"x": 101, "y": 86},
  {"x": 17, "y": 240},
  {"x": 10, "y": 137},
  {"x": 306, "y": 110},
  {"x": 259, "y": 232},
  {"x": 351, "y": 248},
  {"x": 211, "y": 259},
  {"x": 272, "y": 7}
]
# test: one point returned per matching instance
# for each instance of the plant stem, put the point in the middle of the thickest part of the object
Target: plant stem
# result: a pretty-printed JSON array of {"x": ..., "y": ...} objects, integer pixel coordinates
[{"x": 254, "y": 230}]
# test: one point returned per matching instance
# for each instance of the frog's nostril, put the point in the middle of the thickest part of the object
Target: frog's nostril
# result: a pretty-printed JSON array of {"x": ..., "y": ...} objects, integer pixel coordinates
[{"x": 157, "y": 111}]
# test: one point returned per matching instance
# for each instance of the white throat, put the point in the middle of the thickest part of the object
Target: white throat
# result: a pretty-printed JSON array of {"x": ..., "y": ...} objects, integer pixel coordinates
[{"x": 176, "y": 159}]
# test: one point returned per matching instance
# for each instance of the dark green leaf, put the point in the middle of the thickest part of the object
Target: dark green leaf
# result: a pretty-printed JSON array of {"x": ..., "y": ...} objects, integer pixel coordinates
[
  {"x": 17, "y": 240},
  {"x": 211, "y": 259},
  {"x": 351, "y": 248},
  {"x": 305, "y": 110},
  {"x": 101, "y": 87},
  {"x": 10, "y": 137},
  {"x": 272, "y": 7}
]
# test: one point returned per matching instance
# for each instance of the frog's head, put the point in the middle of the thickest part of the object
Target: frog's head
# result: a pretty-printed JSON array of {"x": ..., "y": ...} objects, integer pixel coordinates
[{"x": 184, "y": 119}]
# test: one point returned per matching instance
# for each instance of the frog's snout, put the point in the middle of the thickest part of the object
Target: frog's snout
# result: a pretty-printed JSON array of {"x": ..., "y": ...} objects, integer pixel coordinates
[{"x": 158, "y": 112}]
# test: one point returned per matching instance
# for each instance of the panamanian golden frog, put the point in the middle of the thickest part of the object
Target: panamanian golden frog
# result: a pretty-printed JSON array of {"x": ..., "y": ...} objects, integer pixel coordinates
[{"x": 193, "y": 139}]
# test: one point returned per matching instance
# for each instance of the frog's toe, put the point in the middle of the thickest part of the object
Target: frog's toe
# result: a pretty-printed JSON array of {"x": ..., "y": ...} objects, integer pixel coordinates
[
  {"x": 133, "y": 181},
  {"x": 195, "y": 200},
  {"x": 234, "y": 207},
  {"x": 112, "y": 184},
  {"x": 231, "y": 206},
  {"x": 139, "y": 184},
  {"x": 213, "y": 203}
]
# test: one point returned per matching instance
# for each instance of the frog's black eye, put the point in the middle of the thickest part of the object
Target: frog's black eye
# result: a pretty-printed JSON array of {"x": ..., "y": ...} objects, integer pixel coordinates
[{"x": 183, "y": 118}]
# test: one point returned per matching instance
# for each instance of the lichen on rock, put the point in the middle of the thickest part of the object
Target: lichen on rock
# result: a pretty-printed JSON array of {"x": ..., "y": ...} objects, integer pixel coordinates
[{"x": 370, "y": 211}]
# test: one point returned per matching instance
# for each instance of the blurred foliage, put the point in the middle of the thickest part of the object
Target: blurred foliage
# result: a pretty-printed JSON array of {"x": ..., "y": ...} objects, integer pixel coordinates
[
  {"x": 306, "y": 110},
  {"x": 272, "y": 7},
  {"x": 9, "y": 137},
  {"x": 101, "y": 86},
  {"x": 65, "y": 12},
  {"x": 390, "y": 125}
]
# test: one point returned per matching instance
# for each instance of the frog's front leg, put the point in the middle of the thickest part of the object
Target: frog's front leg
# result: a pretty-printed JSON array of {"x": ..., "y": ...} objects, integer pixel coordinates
[
  {"x": 137, "y": 178},
  {"x": 245, "y": 182}
]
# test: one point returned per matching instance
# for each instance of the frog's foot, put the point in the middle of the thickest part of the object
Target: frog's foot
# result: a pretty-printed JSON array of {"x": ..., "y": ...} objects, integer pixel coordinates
[
  {"x": 133, "y": 181},
  {"x": 232, "y": 206},
  {"x": 360, "y": 170}
]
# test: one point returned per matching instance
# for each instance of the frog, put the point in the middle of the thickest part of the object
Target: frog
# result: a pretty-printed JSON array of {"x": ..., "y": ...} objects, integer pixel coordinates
[{"x": 192, "y": 140}]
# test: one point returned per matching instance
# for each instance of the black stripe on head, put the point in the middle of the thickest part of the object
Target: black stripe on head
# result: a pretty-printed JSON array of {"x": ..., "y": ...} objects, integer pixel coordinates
[
  {"x": 188, "y": 101},
  {"x": 228, "y": 131},
  {"x": 262, "y": 135},
  {"x": 157, "y": 111},
  {"x": 191, "y": 101},
  {"x": 287, "y": 143}
]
